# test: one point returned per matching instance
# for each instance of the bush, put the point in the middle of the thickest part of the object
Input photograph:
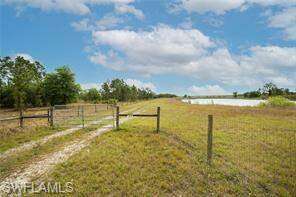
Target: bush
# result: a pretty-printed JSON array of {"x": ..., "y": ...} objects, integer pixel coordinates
[
  {"x": 110, "y": 101},
  {"x": 278, "y": 101},
  {"x": 166, "y": 95}
]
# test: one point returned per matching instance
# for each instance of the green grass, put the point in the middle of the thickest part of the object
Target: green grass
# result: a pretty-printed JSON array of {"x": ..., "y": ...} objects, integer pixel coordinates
[
  {"x": 278, "y": 101},
  {"x": 20, "y": 136},
  {"x": 21, "y": 160},
  {"x": 18, "y": 161},
  {"x": 26, "y": 135},
  {"x": 254, "y": 154}
]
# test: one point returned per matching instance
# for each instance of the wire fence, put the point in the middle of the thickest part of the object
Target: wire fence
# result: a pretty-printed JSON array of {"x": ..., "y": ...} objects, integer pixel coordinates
[
  {"x": 60, "y": 115},
  {"x": 260, "y": 149},
  {"x": 246, "y": 147},
  {"x": 81, "y": 114}
]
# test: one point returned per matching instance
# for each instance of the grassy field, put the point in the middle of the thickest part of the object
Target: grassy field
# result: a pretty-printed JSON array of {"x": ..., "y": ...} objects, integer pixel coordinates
[
  {"x": 254, "y": 154},
  {"x": 11, "y": 135},
  {"x": 18, "y": 161}
]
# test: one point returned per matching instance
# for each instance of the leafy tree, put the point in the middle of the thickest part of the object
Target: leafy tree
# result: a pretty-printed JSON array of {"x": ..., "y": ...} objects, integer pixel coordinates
[
  {"x": 106, "y": 91},
  {"x": 271, "y": 89},
  {"x": 6, "y": 97},
  {"x": 24, "y": 83},
  {"x": 91, "y": 95},
  {"x": 117, "y": 89},
  {"x": 60, "y": 87},
  {"x": 20, "y": 74},
  {"x": 34, "y": 95},
  {"x": 235, "y": 94},
  {"x": 146, "y": 94},
  {"x": 133, "y": 93},
  {"x": 2, "y": 74},
  {"x": 252, "y": 94}
]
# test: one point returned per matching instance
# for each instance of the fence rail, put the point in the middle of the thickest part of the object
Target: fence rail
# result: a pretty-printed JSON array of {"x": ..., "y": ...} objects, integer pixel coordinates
[
  {"x": 157, "y": 115},
  {"x": 8, "y": 119},
  {"x": 57, "y": 113}
]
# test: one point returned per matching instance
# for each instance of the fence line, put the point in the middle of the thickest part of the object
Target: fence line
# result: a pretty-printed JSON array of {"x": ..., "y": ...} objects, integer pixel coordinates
[
  {"x": 55, "y": 113},
  {"x": 157, "y": 115}
]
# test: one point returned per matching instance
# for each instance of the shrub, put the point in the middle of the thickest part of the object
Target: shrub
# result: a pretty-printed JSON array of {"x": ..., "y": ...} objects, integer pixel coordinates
[
  {"x": 110, "y": 101},
  {"x": 278, "y": 101}
]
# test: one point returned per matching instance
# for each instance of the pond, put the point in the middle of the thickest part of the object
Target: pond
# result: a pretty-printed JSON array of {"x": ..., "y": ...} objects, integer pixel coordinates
[{"x": 232, "y": 102}]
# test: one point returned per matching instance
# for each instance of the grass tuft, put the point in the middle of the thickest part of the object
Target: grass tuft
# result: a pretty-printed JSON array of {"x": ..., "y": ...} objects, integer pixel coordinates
[{"x": 278, "y": 101}]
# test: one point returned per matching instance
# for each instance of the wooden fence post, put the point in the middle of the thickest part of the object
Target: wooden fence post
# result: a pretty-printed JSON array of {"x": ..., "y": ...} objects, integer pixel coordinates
[
  {"x": 158, "y": 120},
  {"x": 117, "y": 117},
  {"x": 95, "y": 108},
  {"x": 48, "y": 115},
  {"x": 82, "y": 116},
  {"x": 21, "y": 118},
  {"x": 113, "y": 117},
  {"x": 78, "y": 109},
  {"x": 210, "y": 138},
  {"x": 51, "y": 116}
]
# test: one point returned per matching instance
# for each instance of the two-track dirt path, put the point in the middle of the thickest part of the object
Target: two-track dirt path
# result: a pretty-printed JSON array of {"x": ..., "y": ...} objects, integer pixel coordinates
[
  {"x": 32, "y": 144},
  {"x": 44, "y": 165}
]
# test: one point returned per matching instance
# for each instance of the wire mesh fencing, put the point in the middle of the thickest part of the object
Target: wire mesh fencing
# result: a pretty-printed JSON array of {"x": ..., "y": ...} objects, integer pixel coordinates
[
  {"x": 260, "y": 148},
  {"x": 81, "y": 115},
  {"x": 249, "y": 146},
  {"x": 64, "y": 116}
]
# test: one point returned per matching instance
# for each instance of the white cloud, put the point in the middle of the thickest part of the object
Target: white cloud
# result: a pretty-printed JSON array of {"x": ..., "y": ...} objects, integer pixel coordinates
[
  {"x": 208, "y": 90},
  {"x": 107, "y": 22},
  {"x": 187, "y": 24},
  {"x": 25, "y": 56},
  {"x": 140, "y": 84},
  {"x": 82, "y": 25},
  {"x": 216, "y": 6},
  {"x": 148, "y": 52},
  {"x": 215, "y": 22},
  {"x": 125, "y": 9},
  {"x": 282, "y": 81},
  {"x": 271, "y": 56},
  {"x": 221, "y": 6},
  {"x": 87, "y": 86},
  {"x": 286, "y": 20},
  {"x": 110, "y": 60},
  {"x": 80, "y": 7},
  {"x": 165, "y": 50},
  {"x": 272, "y": 2}
]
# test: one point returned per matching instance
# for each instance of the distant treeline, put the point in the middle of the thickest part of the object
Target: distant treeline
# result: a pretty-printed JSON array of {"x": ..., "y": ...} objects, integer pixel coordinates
[
  {"x": 26, "y": 84},
  {"x": 116, "y": 90},
  {"x": 165, "y": 95},
  {"x": 269, "y": 90},
  {"x": 119, "y": 90}
]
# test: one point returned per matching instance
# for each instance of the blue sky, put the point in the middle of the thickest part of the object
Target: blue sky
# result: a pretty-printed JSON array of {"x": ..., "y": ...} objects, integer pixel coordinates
[{"x": 184, "y": 46}]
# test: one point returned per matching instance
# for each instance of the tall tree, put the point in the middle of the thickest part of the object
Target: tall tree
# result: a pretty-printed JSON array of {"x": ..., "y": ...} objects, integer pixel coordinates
[
  {"x": 270, "y": 89},
  {"x": 20, "y": 74},
  {"x": 119, "y": 90},
  {"x": 59, "y": 87},
  {"x": 106, "y": 91},
  {"x": 91, "y": 95}
]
